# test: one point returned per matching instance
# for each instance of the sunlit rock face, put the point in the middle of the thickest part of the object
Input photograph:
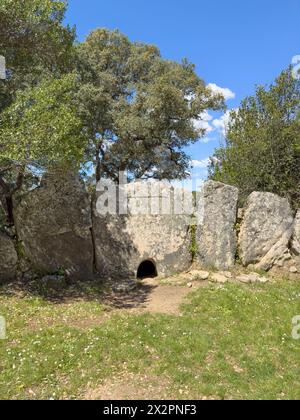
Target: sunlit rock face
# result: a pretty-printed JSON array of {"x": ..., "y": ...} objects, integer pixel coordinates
[
  {"x": 266, "y": 231},
  {"x": 154, "y": 229},
  {"x": 295, "y": 245},
  {"x": 216, "y": 234},
  {"x": 54, "y": 226}
]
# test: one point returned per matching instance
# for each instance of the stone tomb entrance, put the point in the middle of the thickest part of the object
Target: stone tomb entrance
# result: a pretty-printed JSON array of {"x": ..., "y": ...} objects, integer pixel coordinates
[
  {"x": 150, "y": 231},
  {"x": 147, "y": 269}
]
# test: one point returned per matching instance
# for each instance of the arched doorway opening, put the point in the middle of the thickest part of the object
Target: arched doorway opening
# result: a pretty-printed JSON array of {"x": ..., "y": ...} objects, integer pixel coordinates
[{"x": 147, "y": 269}]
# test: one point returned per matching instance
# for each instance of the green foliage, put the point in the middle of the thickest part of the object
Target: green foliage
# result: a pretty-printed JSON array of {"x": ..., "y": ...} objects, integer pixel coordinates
[
  {"x": 34, "y": 43},
  {"x": 36, "y": 46},
  {"x": 61, "y": 271},
  {"x": 138, "y": 108},
  {"x": 42, "y": 127},
  {"x": 237, "y": 227},
  {"x": 194, "y": 243},
  {"x": 262, "y": 150}
]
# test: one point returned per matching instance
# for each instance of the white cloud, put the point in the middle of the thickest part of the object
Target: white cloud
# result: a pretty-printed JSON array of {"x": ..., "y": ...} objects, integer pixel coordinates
[
  {"x": 201, "y": 164},
  {"x": 226, "y": 92},
  {"x": 204, "y": 122},
  {"x": 207, "y": 139},
  {"x": 221, "y": 124},
  {"x": 205, "y": 116}
]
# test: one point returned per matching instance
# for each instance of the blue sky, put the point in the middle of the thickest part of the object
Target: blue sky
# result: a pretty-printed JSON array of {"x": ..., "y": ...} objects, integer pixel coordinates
[{"x": 234, "y": 44}]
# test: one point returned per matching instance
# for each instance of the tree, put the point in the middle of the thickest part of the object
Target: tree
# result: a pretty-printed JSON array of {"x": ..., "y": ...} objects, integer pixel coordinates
[
  {"x": 36, "y": 46},
  {"x": 138, "y": 109},
  {"x": 262, "y": 150},
  {"x": 34, "y": 43},
  {"x": 40, "y": 130}
]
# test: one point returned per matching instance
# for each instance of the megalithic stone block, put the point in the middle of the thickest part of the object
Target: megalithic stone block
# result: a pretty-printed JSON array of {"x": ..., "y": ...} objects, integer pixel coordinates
[
  {"x": 295, "y": 244},
  {"x": 124, "y": 242},
  {"x": 54, "y": 225},
  {"x": 266, "y": 229},
  {"x": 216, "y": 234}
]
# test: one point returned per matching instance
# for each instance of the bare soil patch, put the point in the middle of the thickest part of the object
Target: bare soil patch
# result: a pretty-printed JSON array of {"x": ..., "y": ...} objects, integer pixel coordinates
[{"x": 132, "y": 387}]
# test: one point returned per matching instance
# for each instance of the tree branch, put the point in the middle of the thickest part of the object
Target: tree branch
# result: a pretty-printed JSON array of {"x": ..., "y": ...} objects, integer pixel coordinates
[{"x": 4, "y": 185}]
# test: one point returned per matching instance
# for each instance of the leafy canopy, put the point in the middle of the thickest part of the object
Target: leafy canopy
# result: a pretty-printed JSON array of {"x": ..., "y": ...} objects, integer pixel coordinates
[
  {"x": 262, "y": 150},
  {"x": 138, "y": 109},
  {"x": 36, "y": 45},
  {"x": 107, "y": 101},
  {"x": 42, "y": 128},
  {"x": 34, "y": 42}
]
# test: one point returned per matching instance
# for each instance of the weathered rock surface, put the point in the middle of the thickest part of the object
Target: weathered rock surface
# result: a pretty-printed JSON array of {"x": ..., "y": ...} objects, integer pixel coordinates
[
  {"x": 266, "y": 230},
  {"x": 216, "y": 235},
  {"x": 227, "y": 274},
  {"x": 53, "y": 222},
  {"x": 218, "y": 278},
  {"x": 123, "y": 242},
  {"x": 198, "y": 275},
  {"x": 295, "y": 244},
  {"x": 252, "y": 278},
  {"x": 8, "y": 258},
  {"x": 279, "y": 254}
]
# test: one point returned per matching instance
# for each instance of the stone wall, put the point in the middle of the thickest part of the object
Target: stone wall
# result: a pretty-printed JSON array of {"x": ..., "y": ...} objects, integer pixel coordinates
[
  {"x": 124, "y": 242},
  {"x": 59, "y": 230}
]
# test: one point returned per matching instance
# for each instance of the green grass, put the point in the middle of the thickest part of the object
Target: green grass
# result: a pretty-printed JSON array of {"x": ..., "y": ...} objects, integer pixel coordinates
[{"x": 231, "y": 342}]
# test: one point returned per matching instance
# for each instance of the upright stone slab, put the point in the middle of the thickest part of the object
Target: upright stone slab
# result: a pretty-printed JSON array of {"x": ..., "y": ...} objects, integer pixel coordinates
[
  {"x": 216, "y": 235},
  {"x": 266, "y": 230},
  {"x": 54, "y": 224},
  {"x": 295, "y": 244},
  {"x": 123, "y": 242},
  {"x": 8, "y": 258}
]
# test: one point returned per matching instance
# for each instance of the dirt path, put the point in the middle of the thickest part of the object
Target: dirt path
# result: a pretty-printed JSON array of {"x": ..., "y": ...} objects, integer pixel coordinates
[
  {"x": 164, "y": 299},
  {"x": 152, "y": 296},
  {"x": 131, "y": 387}
]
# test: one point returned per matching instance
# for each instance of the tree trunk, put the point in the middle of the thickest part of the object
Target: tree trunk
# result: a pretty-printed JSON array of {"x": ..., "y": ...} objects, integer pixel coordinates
[
  {"x": 8, "y": 191},
  {"x": 10, "y": 210},
  {"x": 99, "y": 152},
  {"x": 98, "y": 170}
]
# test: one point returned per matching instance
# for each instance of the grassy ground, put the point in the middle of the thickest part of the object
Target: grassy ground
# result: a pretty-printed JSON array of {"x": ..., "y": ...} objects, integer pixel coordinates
[{"x": 228, "y": 342}]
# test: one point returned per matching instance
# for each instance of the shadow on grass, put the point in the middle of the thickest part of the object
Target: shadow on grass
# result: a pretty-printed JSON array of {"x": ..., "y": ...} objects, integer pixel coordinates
[{"x": 97, "y": 290}]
